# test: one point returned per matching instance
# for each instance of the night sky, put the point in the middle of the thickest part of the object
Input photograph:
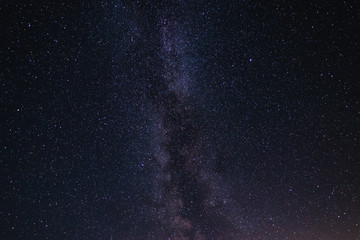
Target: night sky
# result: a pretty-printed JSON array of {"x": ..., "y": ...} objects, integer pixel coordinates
[{"x": 180, "y": 120}]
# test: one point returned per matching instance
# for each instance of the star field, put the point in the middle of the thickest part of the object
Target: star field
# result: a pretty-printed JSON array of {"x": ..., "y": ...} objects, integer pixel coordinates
[{"x": 180, "y": 120}]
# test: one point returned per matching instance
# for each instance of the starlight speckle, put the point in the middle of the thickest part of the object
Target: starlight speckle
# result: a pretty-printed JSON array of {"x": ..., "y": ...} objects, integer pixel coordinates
[{"x": 181, "y": 120}]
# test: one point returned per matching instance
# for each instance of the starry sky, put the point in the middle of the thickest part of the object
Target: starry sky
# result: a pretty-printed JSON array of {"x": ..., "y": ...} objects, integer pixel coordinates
[{"x": 180, "y": 120}]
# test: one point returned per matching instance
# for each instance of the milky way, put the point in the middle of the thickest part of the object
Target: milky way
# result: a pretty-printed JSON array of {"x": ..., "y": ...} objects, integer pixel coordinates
[{"x": 185, "y": 189}]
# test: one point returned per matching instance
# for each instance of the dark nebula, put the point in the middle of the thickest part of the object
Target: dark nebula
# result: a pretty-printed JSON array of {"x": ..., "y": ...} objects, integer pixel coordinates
[{"x": 180, "y": 120}]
